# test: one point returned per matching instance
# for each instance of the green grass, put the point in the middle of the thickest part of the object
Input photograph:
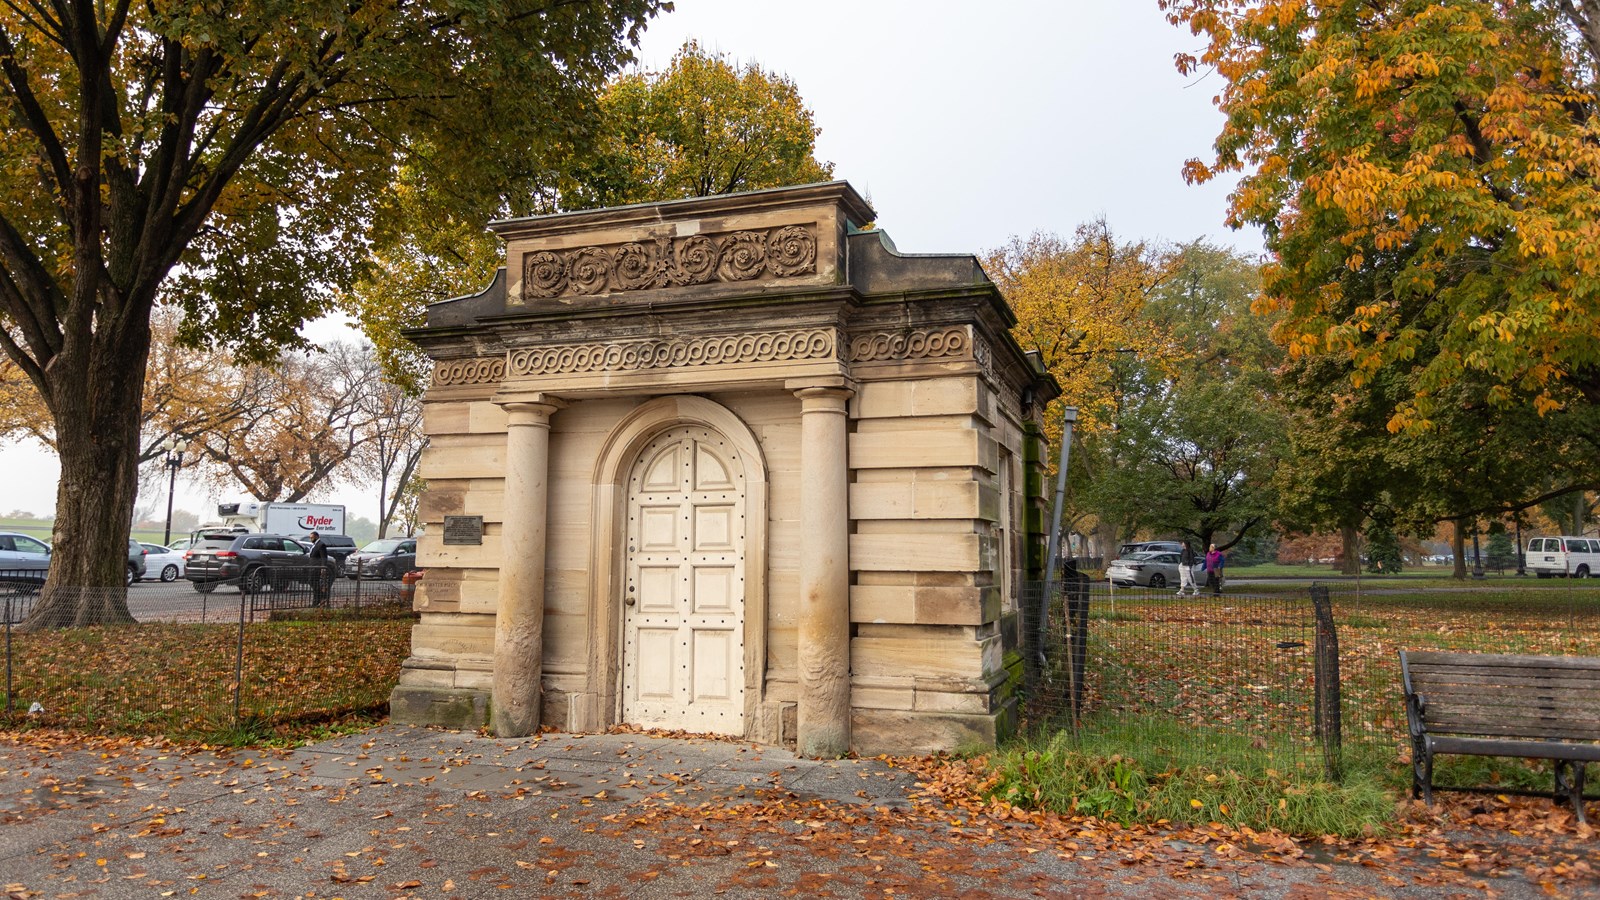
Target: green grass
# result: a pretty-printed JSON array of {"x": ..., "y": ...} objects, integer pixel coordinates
[
  {"x": 1327, "y": 571},
  {"x": 1179, "y": 690},
  {"x": 41, "y": 529},
  {"x": 1155, "y": 770}
]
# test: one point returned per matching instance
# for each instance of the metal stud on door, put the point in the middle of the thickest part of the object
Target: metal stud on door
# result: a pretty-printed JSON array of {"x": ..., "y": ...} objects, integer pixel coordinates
[{"x": 683, "y": 606}]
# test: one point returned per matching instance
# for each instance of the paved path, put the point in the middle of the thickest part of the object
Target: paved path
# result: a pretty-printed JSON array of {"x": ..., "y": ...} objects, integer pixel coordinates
[{"x": 414, "y": 812}]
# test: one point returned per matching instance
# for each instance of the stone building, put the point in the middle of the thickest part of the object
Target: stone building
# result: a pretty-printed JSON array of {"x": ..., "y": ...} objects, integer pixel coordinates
[{"x": 729, "y": 465}]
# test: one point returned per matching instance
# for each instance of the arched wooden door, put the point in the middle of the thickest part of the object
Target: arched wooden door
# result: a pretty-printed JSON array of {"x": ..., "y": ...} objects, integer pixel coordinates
[{"x": 683, "y": 600}]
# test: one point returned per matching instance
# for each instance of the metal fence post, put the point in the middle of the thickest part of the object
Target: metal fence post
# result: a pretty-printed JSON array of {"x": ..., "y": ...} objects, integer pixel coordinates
[
  {"x": 1075, "y": 600},
  {"x": 1327, "y": 723},
  {"x": 9, "y": 695},
  {"x": 238, "y": 657}
]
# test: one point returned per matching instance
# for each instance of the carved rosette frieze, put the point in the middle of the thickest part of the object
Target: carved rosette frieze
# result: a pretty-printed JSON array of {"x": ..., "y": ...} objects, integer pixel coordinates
[
  {"x": 922, "y": 343},
  {"x": 784, "y": 252},
  {"x": 484, "y": 370},
  {"x": 666, "y": 353}
]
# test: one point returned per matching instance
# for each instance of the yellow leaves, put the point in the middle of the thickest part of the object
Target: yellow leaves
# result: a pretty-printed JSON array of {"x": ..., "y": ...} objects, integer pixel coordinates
[{"x": 1546, "y": 404}]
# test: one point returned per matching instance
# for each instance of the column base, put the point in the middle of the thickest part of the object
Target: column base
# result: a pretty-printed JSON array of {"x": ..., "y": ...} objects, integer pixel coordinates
[
  {"x": 461, "y": 708},
  {"x": 906, "y": 732}
]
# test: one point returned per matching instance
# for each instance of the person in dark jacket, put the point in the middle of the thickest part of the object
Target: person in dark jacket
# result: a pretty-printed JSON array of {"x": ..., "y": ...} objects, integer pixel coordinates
[
  {"x": 323, "y": 577},
  {"x": 1186, "y": 561}
]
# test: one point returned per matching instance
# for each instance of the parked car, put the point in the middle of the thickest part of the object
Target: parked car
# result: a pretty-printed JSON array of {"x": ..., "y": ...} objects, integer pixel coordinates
[
  {"x": 1149, "y": 569},
  {"x": 253, "y": 561},
  {"x": 180, "y": 545},
  {"x": 163, "y": 563},
  {"x": 1150, "y": 547},
  {"x": 136, "y": 564},
  {"x": 1563, "y": 556},
  {"x": 24, "y": 559},
  {"x": 388, "y": 558}
]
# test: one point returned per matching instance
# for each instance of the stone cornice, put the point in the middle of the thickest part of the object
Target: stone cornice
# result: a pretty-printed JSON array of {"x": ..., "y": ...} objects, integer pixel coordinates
[{"x": 837, "y": 193}]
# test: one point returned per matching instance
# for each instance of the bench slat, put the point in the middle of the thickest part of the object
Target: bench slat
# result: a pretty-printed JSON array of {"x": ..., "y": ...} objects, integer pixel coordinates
[
  {"x": 1520, "y": 749},
  {"x": 1526, "y": 729},
  {"x": 1482, "y": 680},
  {"x": 1519, "y": 673},
  {"x": 1511, "y": 698},
  {"x": 1416, "y": 658}
]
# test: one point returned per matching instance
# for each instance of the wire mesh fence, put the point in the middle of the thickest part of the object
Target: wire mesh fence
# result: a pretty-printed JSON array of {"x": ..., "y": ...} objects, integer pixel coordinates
[
  {"x": 278, "y": 653},
  {"x": 1306, "y": 676}
]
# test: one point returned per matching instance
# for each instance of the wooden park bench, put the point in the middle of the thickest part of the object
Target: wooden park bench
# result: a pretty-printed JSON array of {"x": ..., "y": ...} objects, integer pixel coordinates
[{"x": 1490, "y": 704}]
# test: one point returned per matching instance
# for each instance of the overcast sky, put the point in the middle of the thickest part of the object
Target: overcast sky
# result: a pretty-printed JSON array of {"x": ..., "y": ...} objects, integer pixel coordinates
[{"x": 964, "y": 123}]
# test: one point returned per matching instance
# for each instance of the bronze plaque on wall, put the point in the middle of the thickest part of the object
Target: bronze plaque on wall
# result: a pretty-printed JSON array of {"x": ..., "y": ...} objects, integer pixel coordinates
[{"x": 463, "y": 529}]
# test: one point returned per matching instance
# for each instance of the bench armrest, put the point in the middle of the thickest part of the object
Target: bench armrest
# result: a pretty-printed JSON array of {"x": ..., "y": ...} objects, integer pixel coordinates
[{"x": 1416, "y": 713}]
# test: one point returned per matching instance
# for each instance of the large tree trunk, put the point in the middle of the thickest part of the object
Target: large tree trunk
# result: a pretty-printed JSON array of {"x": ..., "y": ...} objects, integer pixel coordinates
[
  {"x": 1350, "y": 541},
  {"x": 1458, "y": 548},
  {"x": 95, "y": 397}
]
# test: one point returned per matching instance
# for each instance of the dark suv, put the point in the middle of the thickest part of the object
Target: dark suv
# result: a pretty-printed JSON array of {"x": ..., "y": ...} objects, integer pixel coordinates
[
  {"x": 252, "y": 561},
  {"x": 387, "y": 558},
  {"x": 340, "y": 546}
]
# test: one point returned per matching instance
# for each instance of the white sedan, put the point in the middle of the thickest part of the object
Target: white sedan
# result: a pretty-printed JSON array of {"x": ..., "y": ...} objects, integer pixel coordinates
[
  {"x": 162, "y": 563},
  {"x": 1156, "y": 570}
]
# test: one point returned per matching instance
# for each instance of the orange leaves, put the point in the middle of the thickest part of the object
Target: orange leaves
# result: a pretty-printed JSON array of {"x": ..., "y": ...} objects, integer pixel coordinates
[{"x": 1446, "y": 152}]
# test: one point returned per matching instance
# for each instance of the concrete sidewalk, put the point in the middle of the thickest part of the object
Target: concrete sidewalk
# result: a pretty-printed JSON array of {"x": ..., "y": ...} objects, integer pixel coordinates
[{"x": 403, "y": 811}]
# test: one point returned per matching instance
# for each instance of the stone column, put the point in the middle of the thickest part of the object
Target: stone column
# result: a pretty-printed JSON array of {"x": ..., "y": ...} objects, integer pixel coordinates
[
  {"x": 519, "y": 619},
  {"x": 824, "y": 710}
]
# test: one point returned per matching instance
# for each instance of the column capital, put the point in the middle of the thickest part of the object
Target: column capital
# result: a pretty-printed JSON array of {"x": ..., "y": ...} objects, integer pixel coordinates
[
  {"x": 529, "y": 408},
  {"x": 831, "y": 393},
  {"x": 821, "y": 386}
]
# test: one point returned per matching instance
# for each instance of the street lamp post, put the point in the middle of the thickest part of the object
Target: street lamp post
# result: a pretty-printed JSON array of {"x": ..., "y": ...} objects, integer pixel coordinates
[{"x": 174, "y": 461}]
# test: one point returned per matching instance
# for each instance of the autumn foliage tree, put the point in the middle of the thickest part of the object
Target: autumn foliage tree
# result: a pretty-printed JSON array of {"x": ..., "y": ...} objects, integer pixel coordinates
[
  {"x": 1446, "y": 152},
  {"x": 1079, "y": 302},
  {"x": 188, "y": 391},
  {"x": 315, "y": 413},
  {"x": 249, "y": 141}
]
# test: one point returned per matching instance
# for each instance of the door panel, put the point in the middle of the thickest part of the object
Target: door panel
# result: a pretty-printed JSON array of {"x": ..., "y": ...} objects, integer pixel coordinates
[{"x": 683, "y": 620}]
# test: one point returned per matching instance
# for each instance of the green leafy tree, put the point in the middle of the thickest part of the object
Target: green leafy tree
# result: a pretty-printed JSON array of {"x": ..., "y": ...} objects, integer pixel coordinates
[
  {"x": 1198, "y": 440},
  {"x": 1383, "y": 549},
  {"x": 703, "y": 126},
  {"x": 1501, "y": 553},
  {"x": 232, "y": 159}
]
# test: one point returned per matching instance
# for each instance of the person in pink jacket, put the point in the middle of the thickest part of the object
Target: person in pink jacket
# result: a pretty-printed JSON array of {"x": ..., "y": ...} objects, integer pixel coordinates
[{"x": 1214, "y": 563}]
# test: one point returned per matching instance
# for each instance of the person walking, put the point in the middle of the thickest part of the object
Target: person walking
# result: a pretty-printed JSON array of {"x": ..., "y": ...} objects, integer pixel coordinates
[
  {"x": 321, "y": 578},
  {"x": 1186, "y": 563},
  {"x": 1214, "y": 563}
]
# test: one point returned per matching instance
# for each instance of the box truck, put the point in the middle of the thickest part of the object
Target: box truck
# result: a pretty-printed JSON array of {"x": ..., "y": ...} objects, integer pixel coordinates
[{"x": 295, "y": 519}]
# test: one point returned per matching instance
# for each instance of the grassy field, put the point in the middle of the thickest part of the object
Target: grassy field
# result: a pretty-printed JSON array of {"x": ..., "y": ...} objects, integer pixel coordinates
[
  {"x": 300, "y": 679},
  {"x": 1232, "y": 680},
  {"x": 41, "y": 529}
]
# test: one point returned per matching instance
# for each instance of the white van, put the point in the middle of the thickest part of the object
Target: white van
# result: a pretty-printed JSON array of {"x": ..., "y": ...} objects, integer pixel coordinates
[{"x": 1578, "y": 557}]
